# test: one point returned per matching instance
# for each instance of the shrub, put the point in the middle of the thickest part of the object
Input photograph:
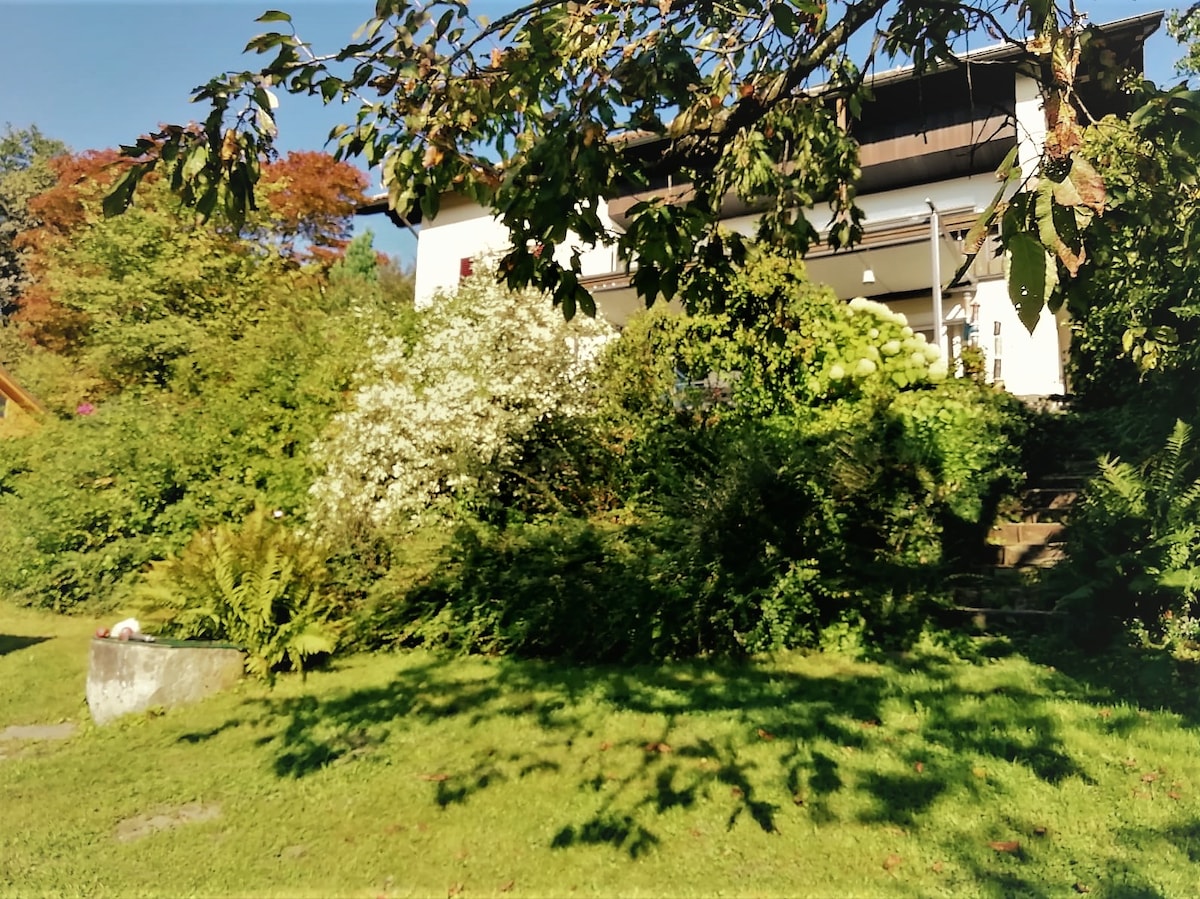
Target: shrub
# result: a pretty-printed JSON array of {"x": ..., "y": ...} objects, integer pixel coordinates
[
  {"x": 89, "y": 499},
  {"x": 563, "y": 587},
  {"x": 1135, "y": 547},
  {"x": 439, "y": 421},
  {"x": 805, "y": 495},
  {"x": 261, "y": 586}
]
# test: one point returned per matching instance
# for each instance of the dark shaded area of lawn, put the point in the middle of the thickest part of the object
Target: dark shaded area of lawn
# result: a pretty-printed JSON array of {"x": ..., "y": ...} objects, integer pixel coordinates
[
  {"x": 14, "y": 642},
  {"x": 798, "y": 731}
]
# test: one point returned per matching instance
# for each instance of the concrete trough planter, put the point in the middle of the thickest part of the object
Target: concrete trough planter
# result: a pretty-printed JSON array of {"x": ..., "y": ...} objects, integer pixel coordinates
[{"x": 131, "y": 676}]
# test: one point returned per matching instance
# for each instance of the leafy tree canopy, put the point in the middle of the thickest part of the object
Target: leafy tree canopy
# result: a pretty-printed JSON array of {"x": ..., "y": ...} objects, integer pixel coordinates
[
  {"x": 542, "y": 112},
  {"x": 24, "y": 172},
  {"x": 1184, "y": 26}
]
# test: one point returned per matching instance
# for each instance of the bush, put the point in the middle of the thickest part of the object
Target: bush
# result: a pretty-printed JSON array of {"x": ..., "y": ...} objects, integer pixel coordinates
[
  {"x": 741, "y": 483},
  {"x": 564, "y": 587},
  {"x": 439, "y": 421},
  {"x": 261, "y": 586},
  {"x": 1135, "y": 548},
  {"x": 767, "y": 535},
  {"x": 89, "y": 499}
]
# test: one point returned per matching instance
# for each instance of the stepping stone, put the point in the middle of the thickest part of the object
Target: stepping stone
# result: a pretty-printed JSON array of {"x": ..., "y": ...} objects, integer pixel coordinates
[
  {"x": 40, "y": 731},
  {"x": 144, "y": 825}
]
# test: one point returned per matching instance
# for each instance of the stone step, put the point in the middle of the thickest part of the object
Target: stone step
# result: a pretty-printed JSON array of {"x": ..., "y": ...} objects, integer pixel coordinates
[
  {"x": 1049, "y": 497},
  {"x": 1046, "y": 516},
  {"x": 1027, "y": 555},
  {"x": 983, "y": 619},
  {"x": 1010, "y": 533}
]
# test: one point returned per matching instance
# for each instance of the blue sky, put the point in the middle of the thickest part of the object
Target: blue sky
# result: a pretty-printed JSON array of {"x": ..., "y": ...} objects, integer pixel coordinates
[{"x": 97, "y": 73}]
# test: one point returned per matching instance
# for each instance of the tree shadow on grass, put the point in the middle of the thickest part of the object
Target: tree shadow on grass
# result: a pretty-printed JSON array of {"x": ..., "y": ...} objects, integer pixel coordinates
[
  {"x": 1142, "y": 678},
  {"x": 758, "y": 743},
  {"x": 13, "y": 642}
]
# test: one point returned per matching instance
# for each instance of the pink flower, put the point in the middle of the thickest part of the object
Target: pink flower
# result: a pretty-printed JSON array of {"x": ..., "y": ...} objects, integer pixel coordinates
[{"x": 85, "y": 409}]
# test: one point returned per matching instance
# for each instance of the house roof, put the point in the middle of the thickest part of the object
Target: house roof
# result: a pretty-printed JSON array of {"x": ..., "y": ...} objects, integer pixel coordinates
[
  {"x": 13, "y": 391},
  {"x": 1134, "y": 29}
]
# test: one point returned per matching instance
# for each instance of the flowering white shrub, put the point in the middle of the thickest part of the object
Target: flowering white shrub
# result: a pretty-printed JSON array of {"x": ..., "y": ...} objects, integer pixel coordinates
[
  {"x": 880, "y": 341},
  {"x": 438, "y": 420}
]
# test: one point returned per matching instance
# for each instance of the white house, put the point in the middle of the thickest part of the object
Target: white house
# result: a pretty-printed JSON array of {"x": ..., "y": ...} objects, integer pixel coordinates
[{"x": 929, "y": 150}]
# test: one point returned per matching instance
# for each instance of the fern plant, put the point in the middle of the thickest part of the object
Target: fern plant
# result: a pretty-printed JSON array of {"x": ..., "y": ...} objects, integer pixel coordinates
[
  {"x": 1135, "y": 544},
  {"x": 259, "y": 586}
]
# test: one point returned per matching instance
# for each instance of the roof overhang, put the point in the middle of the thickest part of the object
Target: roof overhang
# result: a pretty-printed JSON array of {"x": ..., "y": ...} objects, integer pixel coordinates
[{"x": 1134, "y": 30}]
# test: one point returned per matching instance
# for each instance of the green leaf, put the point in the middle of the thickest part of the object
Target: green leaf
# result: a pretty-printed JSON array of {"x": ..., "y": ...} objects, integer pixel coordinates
[
  {"x": 1032, "y": 276},
  {"x": 195, "y": 161},
  {"x": 1008, "y": 172},
  {"x": 330, "y": 88},
  {"x": 122, "y": 195},
  {"x": 207, "y": 203},
  {"x": 274, "y": 15},
  {"x": 785, "y": 19}
]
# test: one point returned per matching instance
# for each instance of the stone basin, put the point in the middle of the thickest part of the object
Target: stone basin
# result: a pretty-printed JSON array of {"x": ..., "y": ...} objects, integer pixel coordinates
[{"x": 131, "y": 676}]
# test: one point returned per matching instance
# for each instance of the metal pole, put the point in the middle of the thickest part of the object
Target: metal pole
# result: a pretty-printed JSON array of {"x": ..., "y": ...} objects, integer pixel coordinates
[{"x": 935, "y": 240}]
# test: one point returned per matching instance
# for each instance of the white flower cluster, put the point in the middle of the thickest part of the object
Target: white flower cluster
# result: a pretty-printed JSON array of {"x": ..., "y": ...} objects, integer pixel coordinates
[
  {"x": 443, "y": 416},
  {"x": 893, "y": 344}
]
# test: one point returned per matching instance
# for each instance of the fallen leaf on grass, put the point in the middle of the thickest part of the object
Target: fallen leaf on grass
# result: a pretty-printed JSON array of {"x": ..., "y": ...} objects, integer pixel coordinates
[
  {"x": 1040, "y": 831},
  {"x": 765, "y": 735},
  {"x": 1080, "y": 887},
  {"x": 455, "y": 889},
  {"x": 868, "y": 723},
  {"x": 918, "y": 767},
  {"x": 508, "y": 886},
  {"x": 1149, "y": 777},
  {"x": 1173, "y": 794},
  {"x": 1105, "y": 713},
  {"x": 661, "y": 748},
  {"x": 434, "y": 778},
  {"x": 605, "y": 746},
  {"x": 981, "y": 773},
  {"x": 1010, "y": 846},
  {"x": 799, "y": 799},
  {"x": 891, "y": 862},
  {"x": 736, "y": 792},
  {"x": 1130, "y": 763},
  {"x": 937, "y": 867}
]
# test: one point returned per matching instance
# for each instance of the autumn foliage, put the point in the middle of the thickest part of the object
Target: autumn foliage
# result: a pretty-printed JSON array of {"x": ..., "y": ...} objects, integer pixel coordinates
[
  {"x": 310, "y": 199},
  {"x": 307, "y": 202}
]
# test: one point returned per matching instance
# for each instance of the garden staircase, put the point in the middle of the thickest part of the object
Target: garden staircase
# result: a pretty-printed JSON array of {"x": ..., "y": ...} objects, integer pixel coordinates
[{"x": 1007, "y": 581}]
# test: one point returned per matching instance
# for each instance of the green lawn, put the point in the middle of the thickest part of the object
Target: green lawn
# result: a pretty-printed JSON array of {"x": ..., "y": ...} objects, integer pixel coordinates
[{"x": 419, "y": 775}]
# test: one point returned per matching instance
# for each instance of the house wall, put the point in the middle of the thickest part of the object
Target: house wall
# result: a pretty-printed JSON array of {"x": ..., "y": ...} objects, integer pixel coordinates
[
  {"x": 460, "y": 231},
  {"x": 1030, "y": 364},
  {"x": 466, "y": 230},
  {"x": 1031, "y": 123}
]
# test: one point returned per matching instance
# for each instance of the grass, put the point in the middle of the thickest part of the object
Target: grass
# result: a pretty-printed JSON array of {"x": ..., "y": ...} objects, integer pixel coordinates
[{"x": 982, "y": 773}]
